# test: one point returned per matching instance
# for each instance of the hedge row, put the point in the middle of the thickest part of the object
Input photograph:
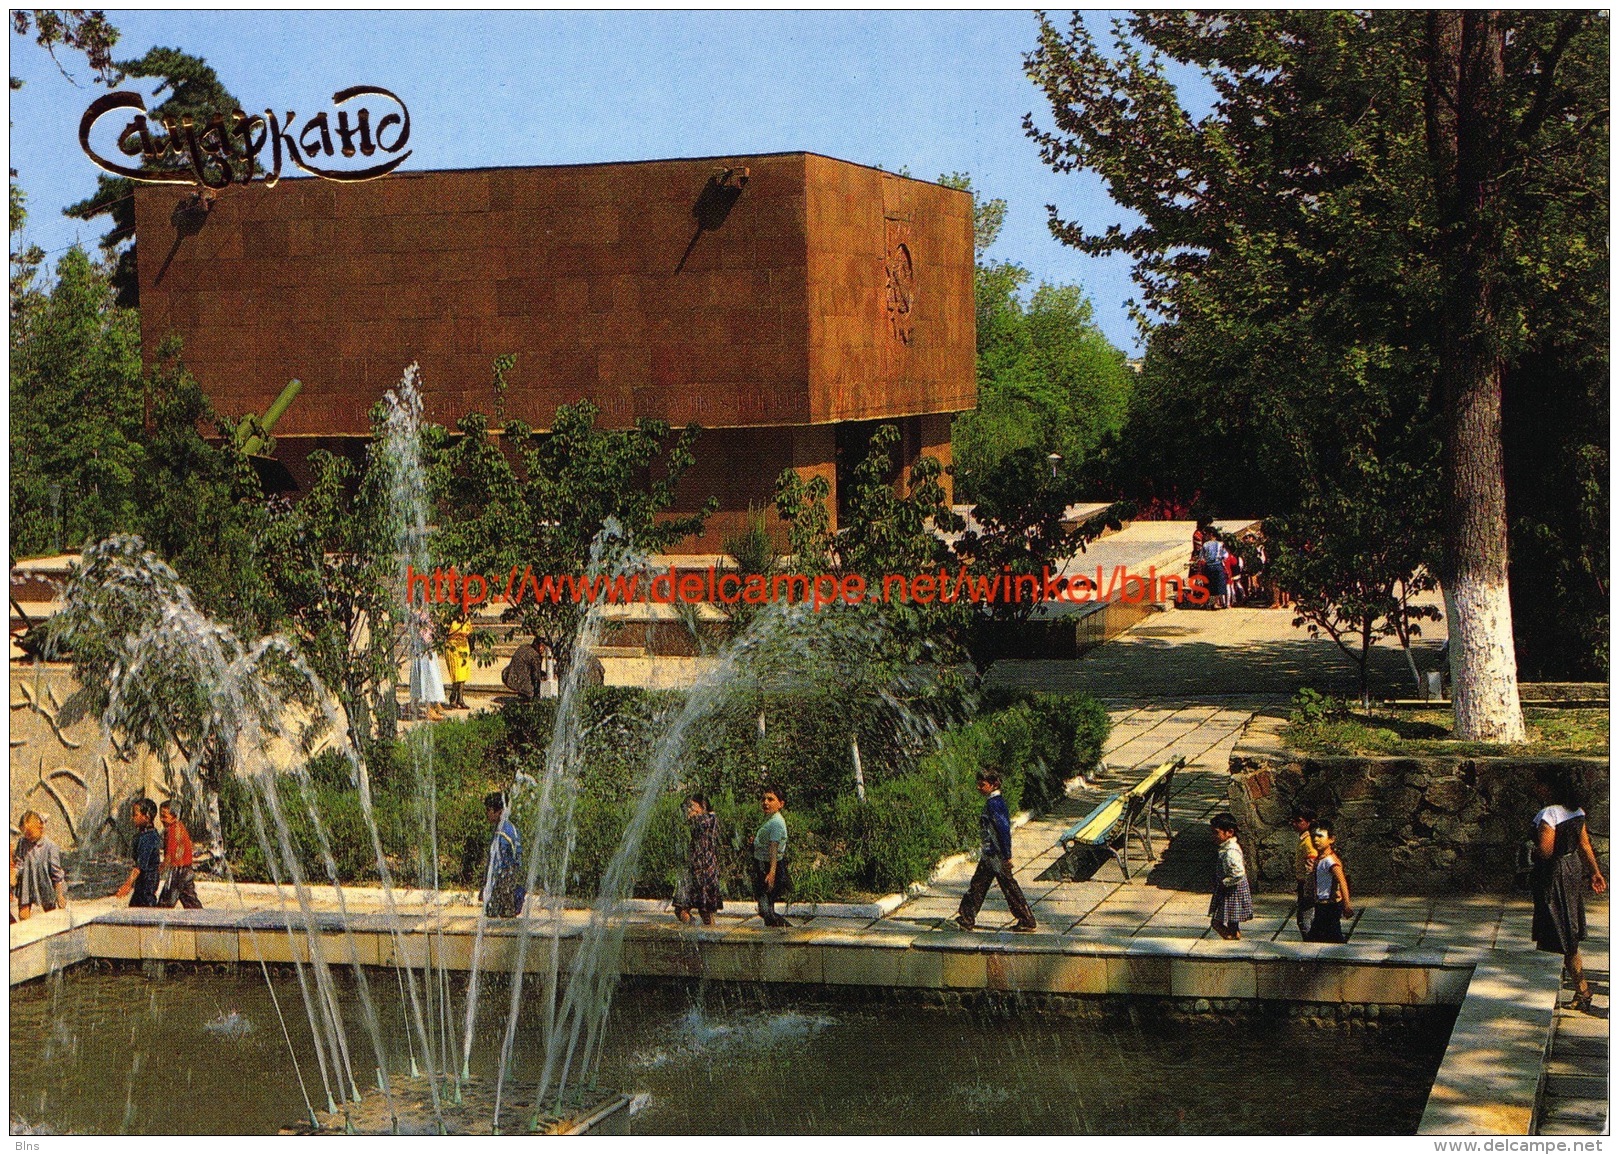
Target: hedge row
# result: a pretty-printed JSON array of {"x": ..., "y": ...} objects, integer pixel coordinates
[{"x": 921, "y": 803}]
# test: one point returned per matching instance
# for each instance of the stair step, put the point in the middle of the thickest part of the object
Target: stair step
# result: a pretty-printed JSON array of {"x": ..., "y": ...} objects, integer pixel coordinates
[
  {"x": 1576, "y": 1050},
  {"x": 1583, "y": 1086},
  {"x": 1573, "y": 1117}
]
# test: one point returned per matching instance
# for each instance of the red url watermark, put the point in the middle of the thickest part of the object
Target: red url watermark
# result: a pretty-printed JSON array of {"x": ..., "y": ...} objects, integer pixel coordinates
[{"x": 728, "y": 588}]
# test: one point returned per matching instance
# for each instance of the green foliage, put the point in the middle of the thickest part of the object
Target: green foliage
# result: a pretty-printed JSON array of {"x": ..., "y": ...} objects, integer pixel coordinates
[
  {"x": 1336, "y": 730},
  {"x": 1310, "y": 706},
  {"x": 86, "y": 32},
  {"x": 76, "y": 397},
  {"x": 200, "y": 503},
  {"x": 1353, "y": 557},
  {"x": 752, "y": 551},
  {"x": 1048, "y": 380},
  {"x": 918, "y": 808},
  {"x": 331, "y": 559},
  {"x": 527, "y": 499},
  {"x": 883, "y": 532},
  {"x": 1315, "y": 258},
  {"x": 195, "y": 92}
]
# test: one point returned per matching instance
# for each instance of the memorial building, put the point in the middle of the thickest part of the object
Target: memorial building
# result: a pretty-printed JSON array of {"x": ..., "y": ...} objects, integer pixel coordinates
[{"x": 787, "y": 303}]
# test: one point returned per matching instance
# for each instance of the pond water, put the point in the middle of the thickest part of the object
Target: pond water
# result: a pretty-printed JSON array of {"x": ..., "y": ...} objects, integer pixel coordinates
[{"x": 198, "y": 1052}]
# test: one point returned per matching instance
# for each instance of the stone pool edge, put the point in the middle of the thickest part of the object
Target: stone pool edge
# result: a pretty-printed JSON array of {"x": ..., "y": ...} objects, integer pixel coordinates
[{"x": 1487, "y": 1083}]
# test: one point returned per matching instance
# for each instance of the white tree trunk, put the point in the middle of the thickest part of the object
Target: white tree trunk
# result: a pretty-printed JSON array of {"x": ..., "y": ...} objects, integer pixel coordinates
[
  {"x": 216, "y": 830},
  {"x": 1483, "y": 662}
]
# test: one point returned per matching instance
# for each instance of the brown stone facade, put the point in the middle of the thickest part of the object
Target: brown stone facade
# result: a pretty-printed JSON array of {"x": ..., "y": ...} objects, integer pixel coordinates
[{"x": 826, "y": 293}]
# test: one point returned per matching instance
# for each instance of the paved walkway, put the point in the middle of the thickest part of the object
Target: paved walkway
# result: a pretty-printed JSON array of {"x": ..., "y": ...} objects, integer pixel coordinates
[
  {"x": 1194, "y": 679},
  {"x": 1240, "y": 654},
  {"x": 1576, "y": 1094}
]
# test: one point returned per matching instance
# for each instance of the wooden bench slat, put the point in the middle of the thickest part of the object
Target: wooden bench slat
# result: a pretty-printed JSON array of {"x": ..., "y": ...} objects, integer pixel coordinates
[
  {"x": 1157, "y": 776},
  {"x": 1096, "y": 825}
]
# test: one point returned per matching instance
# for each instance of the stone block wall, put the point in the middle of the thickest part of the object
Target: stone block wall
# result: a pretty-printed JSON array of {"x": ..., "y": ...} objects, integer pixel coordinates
[{"x": 1435, "y": 825}]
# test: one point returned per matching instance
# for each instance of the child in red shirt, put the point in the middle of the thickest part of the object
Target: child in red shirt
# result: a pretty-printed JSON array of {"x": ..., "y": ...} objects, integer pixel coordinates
[{"x": 178, "y": 883}]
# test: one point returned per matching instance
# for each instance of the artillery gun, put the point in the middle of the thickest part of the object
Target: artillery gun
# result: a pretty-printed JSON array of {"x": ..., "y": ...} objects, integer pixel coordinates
[{"x": 254, "y": 440}]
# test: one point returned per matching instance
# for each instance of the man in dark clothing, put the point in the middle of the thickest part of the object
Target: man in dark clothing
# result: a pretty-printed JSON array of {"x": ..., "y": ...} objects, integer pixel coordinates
[
  {"x": 144, "y": 876},
  {"x": 503, "y": 890},
  {"x": 995, "y": 858},
  {"x": 525, "y": 673}
]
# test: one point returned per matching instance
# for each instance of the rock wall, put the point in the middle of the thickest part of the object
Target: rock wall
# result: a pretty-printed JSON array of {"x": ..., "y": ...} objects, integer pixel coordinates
[
  {"x": 1436, "y": 825},
  {"x": 65, "y": 768}
]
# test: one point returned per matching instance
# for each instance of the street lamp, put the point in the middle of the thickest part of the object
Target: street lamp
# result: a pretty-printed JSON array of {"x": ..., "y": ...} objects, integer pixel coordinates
[{"x": 1053, "y": 459}]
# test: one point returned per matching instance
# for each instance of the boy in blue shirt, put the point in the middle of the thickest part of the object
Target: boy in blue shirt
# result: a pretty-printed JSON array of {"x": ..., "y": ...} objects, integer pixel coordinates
[
  {"x": 144, "y": 875},
  {"x": 503, "y": 893},
  {"x": 995, "y": 858}
]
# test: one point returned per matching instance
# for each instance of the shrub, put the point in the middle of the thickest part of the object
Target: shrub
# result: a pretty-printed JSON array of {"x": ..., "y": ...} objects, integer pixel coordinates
[
  {"x": 921, "y": 803},
  {"x": 1311, "y": 707}
]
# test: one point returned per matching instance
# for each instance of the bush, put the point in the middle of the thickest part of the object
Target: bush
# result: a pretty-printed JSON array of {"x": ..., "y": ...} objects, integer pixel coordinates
[
  {"x": 921, "y": 802},
  {"x": 1311, "y": 707}
]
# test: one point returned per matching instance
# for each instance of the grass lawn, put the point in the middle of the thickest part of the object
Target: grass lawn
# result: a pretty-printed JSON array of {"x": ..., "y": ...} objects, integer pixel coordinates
[{"x": 1413, "y": 732}]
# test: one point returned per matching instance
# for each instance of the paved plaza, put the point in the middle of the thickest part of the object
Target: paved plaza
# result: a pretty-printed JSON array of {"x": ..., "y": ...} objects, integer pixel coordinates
[{"x": 1149, "y": 933}]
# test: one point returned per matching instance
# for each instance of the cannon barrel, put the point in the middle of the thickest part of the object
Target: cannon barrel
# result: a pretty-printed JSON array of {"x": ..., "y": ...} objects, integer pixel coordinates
[
  {"x": 280, "y": 405},
  {"x": 253, "y": 433}
]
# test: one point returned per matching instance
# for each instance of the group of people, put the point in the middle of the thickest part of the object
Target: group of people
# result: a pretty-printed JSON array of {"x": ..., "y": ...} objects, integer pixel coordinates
[
  {"x": 428, "y": 697},
  {"x": 1318, "y": 874},
  {"x": 530, "y": 674},
  {"x": 1231, "y": 577},
  {"x": 162, "y": 874},
  {"x": 699, "y": 890},
  {"x": 1564, "y": 863}
]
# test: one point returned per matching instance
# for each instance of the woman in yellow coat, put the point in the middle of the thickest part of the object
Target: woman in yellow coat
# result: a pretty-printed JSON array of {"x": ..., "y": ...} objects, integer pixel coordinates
[{"x": 458, "y": 660}]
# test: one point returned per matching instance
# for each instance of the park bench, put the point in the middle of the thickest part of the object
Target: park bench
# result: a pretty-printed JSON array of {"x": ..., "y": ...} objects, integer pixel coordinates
[{"x": 1117, "y": 818}]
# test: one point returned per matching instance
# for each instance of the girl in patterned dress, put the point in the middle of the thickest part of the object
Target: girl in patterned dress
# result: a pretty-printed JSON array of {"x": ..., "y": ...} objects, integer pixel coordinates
[
  {"x": 700, "y": 888},
  {"x": 1233, "y": 902}
]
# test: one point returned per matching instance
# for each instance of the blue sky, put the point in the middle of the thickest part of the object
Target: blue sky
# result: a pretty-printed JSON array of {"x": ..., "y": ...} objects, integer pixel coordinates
[{"x": 933, "y": 92}]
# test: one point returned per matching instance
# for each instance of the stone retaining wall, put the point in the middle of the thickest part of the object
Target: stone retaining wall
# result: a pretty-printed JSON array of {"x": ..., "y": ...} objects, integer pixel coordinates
[{"x": 1433, "y": 825}]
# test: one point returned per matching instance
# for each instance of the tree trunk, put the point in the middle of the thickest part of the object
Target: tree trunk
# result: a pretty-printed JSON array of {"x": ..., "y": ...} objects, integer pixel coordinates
[
  {"x": 216, "y": 830},
  {"x": 1464, "y": 131}
]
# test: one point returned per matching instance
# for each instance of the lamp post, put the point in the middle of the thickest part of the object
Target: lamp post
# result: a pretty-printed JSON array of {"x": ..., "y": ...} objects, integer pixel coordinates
[{"x": 1053, "y": 459}]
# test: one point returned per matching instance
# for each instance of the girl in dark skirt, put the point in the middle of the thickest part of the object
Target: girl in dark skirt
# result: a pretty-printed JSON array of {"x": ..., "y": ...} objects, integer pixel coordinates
[
  {"x": 1562, "y": 855},
  {"x": 1233, "y": 901},
  {"x": 700, "y": 888}
]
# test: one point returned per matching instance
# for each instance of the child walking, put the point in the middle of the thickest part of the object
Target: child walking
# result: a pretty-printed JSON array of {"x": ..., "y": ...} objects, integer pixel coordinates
[
  {"x": 1331, "y": 888},
  {"x": 1232, "y": 902},
  {"x": 36, "y": 862},
  {"x": 994, "y": 859},
  {"x": 179, "y": 882},
  {"x": 700, "y": 888},
  {"x": 770, "y": 878}
]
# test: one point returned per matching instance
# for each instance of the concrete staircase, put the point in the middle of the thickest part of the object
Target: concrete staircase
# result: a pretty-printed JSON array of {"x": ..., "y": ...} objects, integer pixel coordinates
[{"x": 1574, "y": 1092}]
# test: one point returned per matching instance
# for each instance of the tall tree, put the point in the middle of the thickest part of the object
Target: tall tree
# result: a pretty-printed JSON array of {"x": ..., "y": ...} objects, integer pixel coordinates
[
  {"x": 1492, "y": 139},
  {"x": 75, "y": 411},
  {"x": 1386, "y": 195},
  {"x": 194, "y": 91},
  {"x": 1048, "y": 379},
  {"x": 537, "y": 501}
]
